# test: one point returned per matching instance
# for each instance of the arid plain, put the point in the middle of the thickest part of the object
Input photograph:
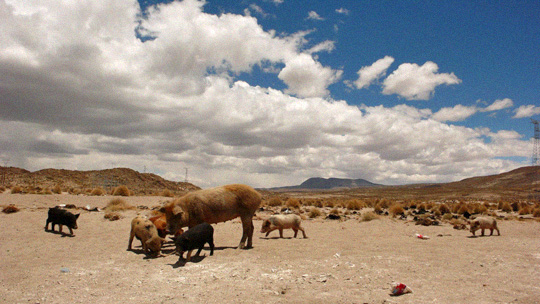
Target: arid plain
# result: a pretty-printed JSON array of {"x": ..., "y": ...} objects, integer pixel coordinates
[{"x": 341, "y": 261}]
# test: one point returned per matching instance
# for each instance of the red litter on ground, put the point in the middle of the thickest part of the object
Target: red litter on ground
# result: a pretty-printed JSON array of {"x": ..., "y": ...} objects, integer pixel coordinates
[
  {"x": 423, "y": 237},
  {"x": 399, "y": 289}
]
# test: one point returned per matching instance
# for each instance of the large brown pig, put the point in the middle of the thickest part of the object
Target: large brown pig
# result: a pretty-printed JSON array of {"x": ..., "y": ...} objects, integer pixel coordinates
[
  {"x": 484, "y": 223},
  {"x": 147, "y": 233},
  {"x": 283, "y": 221}
]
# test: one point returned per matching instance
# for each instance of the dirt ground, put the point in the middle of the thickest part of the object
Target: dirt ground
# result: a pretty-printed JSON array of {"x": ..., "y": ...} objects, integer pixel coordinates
[{"x": 340, "y": 261}]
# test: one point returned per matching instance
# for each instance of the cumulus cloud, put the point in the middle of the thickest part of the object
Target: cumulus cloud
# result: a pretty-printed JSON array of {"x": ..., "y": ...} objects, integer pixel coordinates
[
  {"x": 307, "y": 78},
  {"x": 414, "y": 82},
  {"x": 456, "y": 113},
  {"x": 93, "y": 96},
  {"x": 526, "y": 111},
  {"x": 342, "y": 10},
  {"x": 369, "y": 74},
  {"x": 499, "y": 104},
  {"x": 312, "y": 15}
]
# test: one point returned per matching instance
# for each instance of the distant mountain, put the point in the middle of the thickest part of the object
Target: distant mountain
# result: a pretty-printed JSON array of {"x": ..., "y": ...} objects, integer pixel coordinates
[
  {"x": 320, "y": 183},
  {"x": 521, "y": 178}
]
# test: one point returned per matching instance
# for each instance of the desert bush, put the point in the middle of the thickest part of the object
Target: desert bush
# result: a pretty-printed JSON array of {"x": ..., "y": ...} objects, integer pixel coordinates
[
  {"x": 98, "y": 191},
  {"x": 447, "y": 216},
  {"x": 330, "y": 203},
  {"x": 112, "y": 216},
  {"x": 46, "y": 191},
  {"x": 378, "y": 209},
  {"x": 463, "y": 208},
  {"x": 422, "y": 207},
  {"x": 10, "y": 209},
  {"x": 506, "y": 207},
  {"x": 314, "y": 212},
  {"x": 293, "y": 203},
  {"x": 16, "y": 190},
  {"x": 444, "y": 209},
  {"x": 524, "y": 210},
  {"x": 118, "y": 204},
  {"x": 57, "y": 189},
  {"x": 515, "y": 206},
  {"x": 274, "y": 201},
  {"x": 396, "y": 209},
  {"x": 478, "y": 208},
  {"x": 121, "y": 191},
  {"x": 354, "y": 205},
  {"x": 536, "y": 212},
  {"x": 369, "y": 216},
  {"x": 384, "y": 203},
  {"x": 167, "y": 193},
  {"x": 334, "y": 211}
]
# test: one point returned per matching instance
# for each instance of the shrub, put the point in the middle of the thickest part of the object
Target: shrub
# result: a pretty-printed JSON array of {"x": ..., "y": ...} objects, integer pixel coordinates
[
  {"x": 97, "y": 192},
  {"x": 378, "y": 209},
  {"x": 57, "y": 189},
  {"x": 369, "y": 216},
  {"x": 293, "y": 203},
  {"x": 524, "y": 210},
  {"x": 536, "y": 212},
  {"x": 464, "y": 208},
  {"x": 354, "y": 205},
  {"x": 334, "y": 211},
  {"x": 515, "y": 206},
  {"x": 447, "y": 216},
  {"x": 480, "y": 209},
  {"x": 121, "y": 191},
  {"x": 443, "y": 209},
  {"x": 274, "y": 201},
  {"x": 118, "y": 204},
  {"x": 506, "y": 207},
  {"x": 314, "y": 212},
  {"x": 10, "y": 209},
  {"x": 167, "y": 193},
  {"x": 112, "y": 216},
  {"x": 329, "y": 204},
  {"x": 16, "y": 190},
  {"x": 396, "y": 209}
]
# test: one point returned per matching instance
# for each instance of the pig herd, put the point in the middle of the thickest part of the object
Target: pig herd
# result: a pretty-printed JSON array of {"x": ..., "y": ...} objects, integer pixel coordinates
[{"x": 198, "y": 210}]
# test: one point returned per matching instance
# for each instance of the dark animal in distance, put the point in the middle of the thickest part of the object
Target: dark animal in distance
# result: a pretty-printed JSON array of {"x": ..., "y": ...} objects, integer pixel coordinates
[{"x": 60, "y": 217}]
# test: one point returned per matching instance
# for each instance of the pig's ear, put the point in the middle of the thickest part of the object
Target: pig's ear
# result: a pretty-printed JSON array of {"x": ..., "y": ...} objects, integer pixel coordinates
[
  {"x": 177, "y": 210},
  {"x": 77, "y": 215}
]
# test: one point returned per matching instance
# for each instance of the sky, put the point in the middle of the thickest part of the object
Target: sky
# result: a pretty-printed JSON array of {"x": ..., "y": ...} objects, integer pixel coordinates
[{"x": 270, "y": 92}]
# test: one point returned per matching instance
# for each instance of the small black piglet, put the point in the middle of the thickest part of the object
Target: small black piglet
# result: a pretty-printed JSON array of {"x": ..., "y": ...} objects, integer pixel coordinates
[
  {"x": 61, "y": 217},
  {"x": 194, "y": 238}
]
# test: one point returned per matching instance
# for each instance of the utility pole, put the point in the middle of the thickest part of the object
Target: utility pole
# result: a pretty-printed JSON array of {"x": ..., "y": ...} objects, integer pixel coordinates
[
  {"x": 536, "y": 143},
  {"x": 186, "y": 180}
]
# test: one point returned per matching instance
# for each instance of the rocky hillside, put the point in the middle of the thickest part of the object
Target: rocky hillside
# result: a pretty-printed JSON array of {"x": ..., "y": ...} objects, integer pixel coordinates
[{"x": 138, "y": 183}]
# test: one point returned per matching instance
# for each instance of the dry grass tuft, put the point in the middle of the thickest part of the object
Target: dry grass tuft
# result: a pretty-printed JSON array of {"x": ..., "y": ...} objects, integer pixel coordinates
[
  {"x": 16, "y": 190},
  {"x": 274, "y": 201},
  {"x": 57, "y": 189},
  {"x": 112, "y": 216},
  {"x": 10, "y": 209},
  {"x": 354, "y": 204},
  {"x": 505, "y": 207},
  {"x": 314, "y": 212},
  {"x": 121, "y": 191},
  {"x": 98, "y": 192},
  {"x": 444, "y": 209},
  {"x": 369, "y": 216},
  {"x": 118, "y": 204},
  {"x": 396, "y": 209},
  {"x": 167, "y": 193},
  {"x": 524, "y": 210},
  {"x": 536, "y": 212},
  {"x": 293, "y": 203}
]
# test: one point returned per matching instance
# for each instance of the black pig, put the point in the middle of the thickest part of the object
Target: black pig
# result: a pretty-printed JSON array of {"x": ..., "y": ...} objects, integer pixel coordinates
[
  {"x": 61, "y": 217},
  {"x": 195, "y": 237}
]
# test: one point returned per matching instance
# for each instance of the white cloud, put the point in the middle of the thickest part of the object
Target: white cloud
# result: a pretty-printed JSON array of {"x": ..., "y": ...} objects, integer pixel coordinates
[
  {"x": 312, "y": 15},
  {"x": 526, "y": 111},
  {"x": 499, "y": 104},
  {"x": 342, "y": 10},
  {"x": 456, "y": 113},
  {"x": 325, "y": 46},
  {"x": 92, "y": 96},
  {"x": 414, "y": 82},
  {"x": 307, "y": 78},
  {"x": 369, "y": 74}
]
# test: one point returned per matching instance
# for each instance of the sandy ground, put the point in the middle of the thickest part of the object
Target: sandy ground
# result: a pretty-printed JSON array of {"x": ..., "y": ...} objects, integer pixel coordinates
[{"x": 340, "y": 262}]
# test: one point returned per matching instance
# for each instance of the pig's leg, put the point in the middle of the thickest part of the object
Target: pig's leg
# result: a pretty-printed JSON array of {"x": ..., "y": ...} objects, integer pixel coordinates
[
  {"x": 295, "y": 232},
  {"x": 70, "y": 230},
  {"x": 482, "y": 231},
  {"x": 47, "y": 224},
  {"x": 280, "y": 232},
  {"x": 188, "y": 257},
  {"x": 498, "y": 232},
  {"x": 491, "y": 229},
  {"x": 211, "y": 243},
  {"x": 60, "y": 227},
  {"x": 268, "y": 233},
  {"x": 200, "y": 249},
  {"x": 131, "y": 236},
  {"x": 303, "y": 232}
]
